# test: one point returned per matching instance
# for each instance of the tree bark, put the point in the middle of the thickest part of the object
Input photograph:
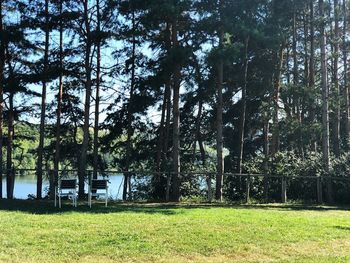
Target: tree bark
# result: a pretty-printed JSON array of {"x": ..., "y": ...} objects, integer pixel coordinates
[
  {"x": 306, "y": 49},
  {"x": 304, "y": 102},
  {"x": 10, "y": 175},
  {"x": 176, "y": 121},
  {"x": 59, "y": 103},
  {"x": 244, "y": 109},
  {"x": 219, "y": 122},
  {"x": 266, "y": 157},
  {"x": 168, "y": 95},
  {"x": 203, "y": 155},
  {"x": 277, "y": 86},
  {"x": 97, "y": 95},
  {"x": 325, "y": 100},
  {"x": 167, "y": 124},
  {"x": 295, "y": 58},
  {"x": 161, "y": 131},
  {"x": 160, "y": 157},
  {"x": 87, "y": 65},
  {"x": 336, "y": 80},
  {"x": 199, "y": 138},
  {"x": 162, "y": 146},
  {"x": 346, "y": 86},
  {"x": 166, "y": 141},
  {"x": 127, "y": 176},
  {"x": 10, "y": 180},
  {"x": 312, "y": 70},
  {"x": 2, "y": 65},
  {"x": 39, "y": 165},
  {"x": 297, "y": 99}
]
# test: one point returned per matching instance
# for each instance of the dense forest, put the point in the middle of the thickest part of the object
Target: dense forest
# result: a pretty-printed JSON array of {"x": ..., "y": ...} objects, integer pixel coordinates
[{"x": 179, "y": 87}]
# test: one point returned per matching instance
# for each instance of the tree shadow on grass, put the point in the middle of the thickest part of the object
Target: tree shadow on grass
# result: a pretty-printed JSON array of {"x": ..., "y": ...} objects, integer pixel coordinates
[
  {"x": 342, "y": 228},
  {"x": 47, "y": 207},
  {"x": 299, "y": 207},
  {"x": 261, "y": 206}
]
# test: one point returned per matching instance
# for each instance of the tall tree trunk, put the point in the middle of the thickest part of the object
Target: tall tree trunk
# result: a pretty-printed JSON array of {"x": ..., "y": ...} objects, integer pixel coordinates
[
  {"x": 158, "y": 187},
  {"x": 166, "y": 142},
  {"x": 306, "y": 49},
  {"x": 304, "y": 102},
  {"x": 199, "y": 138},
  {"x": 160, "y": 142},
  {"x": 127, "y": 176},
  {"x": 277, "y": 86},
  {"x": 219, "y": 123},
  {"x": 168, "y": 95},
  {"x": 201, "y": 94},
  {"x": 325, "y": 102},
  {"x": 345, "y": 65},
  {"x": 10, "y": 175},
  {"x": 59, "y": 101},
  {"x": 176, "y": 120},
  {"x": 167, "y": 125},
  {"x": 87, "y": 65},
  {"x": 97, "y": 95},
  {"x": 243, "y": 110},
  {"x": 295, "y": 58},
  {"x": 39, "y": 165},
  {"x": 2, "y": 65},
  {"x": 296, "y": 86},
  {"x": 9, "y": 166},
  {"x": 266, "y": 156},
  {"x": 166, "y": 107},
  {"x": 312, "y": 70},
  {"x": 336, "y": 80}
]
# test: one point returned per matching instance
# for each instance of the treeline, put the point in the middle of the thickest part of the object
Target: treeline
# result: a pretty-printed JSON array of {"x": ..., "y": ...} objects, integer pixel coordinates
[{"x": 169, "y": 82}]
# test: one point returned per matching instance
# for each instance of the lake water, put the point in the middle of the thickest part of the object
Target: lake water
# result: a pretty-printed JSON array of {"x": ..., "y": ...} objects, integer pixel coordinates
[{"x": 26, "y": 185}]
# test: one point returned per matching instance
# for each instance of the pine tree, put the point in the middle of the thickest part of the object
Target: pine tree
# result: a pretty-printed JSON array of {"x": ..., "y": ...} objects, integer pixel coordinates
[
  {"x": 2, "y": 65},
  {"x": 60, "y": 93},
  {"x": 39, "y": 171},
  {"x": 325, "y": 98},
  {"x": 88, "y": 91}
]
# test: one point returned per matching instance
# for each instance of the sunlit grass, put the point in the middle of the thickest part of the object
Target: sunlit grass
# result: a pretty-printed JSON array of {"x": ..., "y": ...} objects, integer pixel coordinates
[{"x": 37, "y": 232}]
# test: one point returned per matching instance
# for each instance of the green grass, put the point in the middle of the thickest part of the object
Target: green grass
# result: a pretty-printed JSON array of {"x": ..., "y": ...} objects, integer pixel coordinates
[{"x": 33, "y": 231}]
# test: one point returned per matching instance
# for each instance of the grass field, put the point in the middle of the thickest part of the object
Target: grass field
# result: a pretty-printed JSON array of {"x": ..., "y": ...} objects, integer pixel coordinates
[{"x": 33, "y": 231}]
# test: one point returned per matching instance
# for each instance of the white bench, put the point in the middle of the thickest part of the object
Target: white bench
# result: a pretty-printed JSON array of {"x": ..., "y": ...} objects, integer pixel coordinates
[
  {"x": 66, "y": 188},
  {"x": 95, "y": 186}
]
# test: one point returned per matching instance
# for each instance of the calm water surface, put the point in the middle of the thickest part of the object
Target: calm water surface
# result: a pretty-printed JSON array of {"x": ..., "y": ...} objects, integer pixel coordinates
[{"x": 26, "y": 185}]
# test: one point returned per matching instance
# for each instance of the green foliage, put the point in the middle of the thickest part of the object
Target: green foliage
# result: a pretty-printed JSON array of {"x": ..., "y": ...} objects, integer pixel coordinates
[
  {"x": 297, "y": 169},
  {"x": 25, "y": 140}
]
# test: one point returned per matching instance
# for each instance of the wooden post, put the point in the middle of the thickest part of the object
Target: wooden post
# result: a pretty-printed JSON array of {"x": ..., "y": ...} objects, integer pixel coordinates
[
  {"x": 130, "y": 187},
  {"x": 52, "y": 184},
  {"x": 209, "y": 188},
  {"x": 319, "y": 190},
  {"x": 284, "y": 190},
  {"x": 247, "y": 196},
  {"x": 167, "y": 193},
  {"x": 266, "y": 187},
  {"x": 90, "y": 177}
]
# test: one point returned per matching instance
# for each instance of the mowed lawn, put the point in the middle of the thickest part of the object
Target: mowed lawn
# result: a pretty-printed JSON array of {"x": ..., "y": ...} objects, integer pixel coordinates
[{"x": 33, "y": 231}]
